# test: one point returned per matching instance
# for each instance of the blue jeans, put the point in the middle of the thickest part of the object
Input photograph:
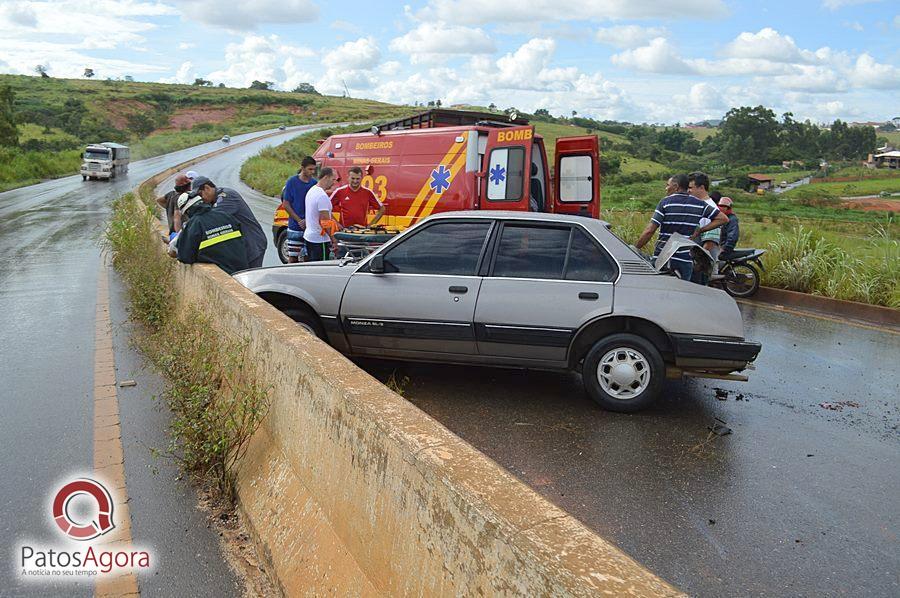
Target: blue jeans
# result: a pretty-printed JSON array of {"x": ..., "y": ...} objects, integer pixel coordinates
[{"x": 684, "y": 269}]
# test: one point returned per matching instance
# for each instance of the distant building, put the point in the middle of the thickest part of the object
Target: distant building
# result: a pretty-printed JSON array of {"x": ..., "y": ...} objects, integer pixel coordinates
[
  {"x": 887, "y": 159},
  {"x": 761, "y": 182}
]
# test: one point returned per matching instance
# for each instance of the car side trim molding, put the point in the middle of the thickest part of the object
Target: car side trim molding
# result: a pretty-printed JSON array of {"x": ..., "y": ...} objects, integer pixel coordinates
[
  {"x": 523, "y": 335},
  {"x": 416, "y": 329}
]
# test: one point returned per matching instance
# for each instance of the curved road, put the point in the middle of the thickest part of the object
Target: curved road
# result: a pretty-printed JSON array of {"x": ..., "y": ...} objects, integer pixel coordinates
[
  {"x": 798, "y": 499},
  {"x": 49, "y": 262}
]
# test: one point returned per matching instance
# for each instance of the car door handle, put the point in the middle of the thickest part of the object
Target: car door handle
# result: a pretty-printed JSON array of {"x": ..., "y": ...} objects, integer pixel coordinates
[
  {"x": 589, "y": 296},
  {"x": 460, "y": 290}
]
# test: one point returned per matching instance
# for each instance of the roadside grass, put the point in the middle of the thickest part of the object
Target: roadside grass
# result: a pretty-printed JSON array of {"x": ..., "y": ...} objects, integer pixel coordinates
[
  {"x": 893, "y": 137},
  {"x": 631, "y": 165},
  {"x": 871, "y": 186},
  {"x": 18, "y": 167},
  {"x": 215, "y": 405},
  {"x": 853, "y": 261},
  {"x": 701, "y": 133}
]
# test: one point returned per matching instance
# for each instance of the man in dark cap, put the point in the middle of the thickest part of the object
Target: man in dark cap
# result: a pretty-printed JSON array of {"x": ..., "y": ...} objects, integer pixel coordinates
[
  {"x": 210, "y": 236},
  {"x": 229, "y": 201},
  {"x": 170, "y": 199}
]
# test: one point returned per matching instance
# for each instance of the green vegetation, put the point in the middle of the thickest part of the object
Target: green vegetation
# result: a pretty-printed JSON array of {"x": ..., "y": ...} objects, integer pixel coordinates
[
  {"x": 215, "y": 406},
  {"x": 58, "y": 116},
  {"x": 872, "y": 186}
]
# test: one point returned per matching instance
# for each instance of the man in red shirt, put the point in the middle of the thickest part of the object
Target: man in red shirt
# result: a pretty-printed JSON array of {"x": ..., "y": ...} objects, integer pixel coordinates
[{"x": 354, "y": 201}]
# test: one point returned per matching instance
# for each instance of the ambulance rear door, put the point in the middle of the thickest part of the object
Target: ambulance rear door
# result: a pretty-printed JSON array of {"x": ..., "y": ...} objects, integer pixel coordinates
[
  {"x": 506, "y": 178},
  {"x": 577, "y": 172}
]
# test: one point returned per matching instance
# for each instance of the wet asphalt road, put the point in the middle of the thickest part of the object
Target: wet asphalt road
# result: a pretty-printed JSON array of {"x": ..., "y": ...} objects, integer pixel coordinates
[
  {"x": 798, "y": 500},
  {"x": 49, "y": 260}
]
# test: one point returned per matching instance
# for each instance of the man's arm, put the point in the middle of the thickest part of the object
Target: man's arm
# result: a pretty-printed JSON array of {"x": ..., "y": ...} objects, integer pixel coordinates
[
  {"x": 176, "y": 220},
  {"x": 289, "y": 193},
  {"x": 647, "y": 234},
  {"x": 732, "y": 232},
  {"x": 377, "y": 206},
  {"x": 378, "y": 216},
  {"x": 718, "y": 220},
  {"x": 162, "y": 201}
]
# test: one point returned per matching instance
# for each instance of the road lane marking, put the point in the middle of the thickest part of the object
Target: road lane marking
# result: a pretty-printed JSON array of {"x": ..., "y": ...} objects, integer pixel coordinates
[
  {"x": 818, "y": 316},
  {"x": 109, "y": 458}
]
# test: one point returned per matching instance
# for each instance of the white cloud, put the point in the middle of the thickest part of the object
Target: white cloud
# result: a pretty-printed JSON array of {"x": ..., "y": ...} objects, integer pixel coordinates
[
  {"x": 360, "y": 54},
  {"x": 628, "y": 36},
  {"x": 263, "y": 58},
  {"x": 869, "y": 73},
  {"x": 659, "y": 56},
  {"x": 838, "y": 4},
  {"x": 766, "y": 44},
  {"x": 431, "y": 40},
  {"x": 812, "y": 79},
  {"x": 248, "y": 14},
  {"x": 20, "y": 13},
  {"x": 854, "y": 25},
  {"x": 185, "y": 74},
  {"x": 186, "y": 45},
  {"x": 475, "y": 12}
]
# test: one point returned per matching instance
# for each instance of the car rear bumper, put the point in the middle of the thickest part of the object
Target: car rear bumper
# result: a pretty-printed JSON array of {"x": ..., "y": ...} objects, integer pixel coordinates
[{"x": 696, "y": 349}]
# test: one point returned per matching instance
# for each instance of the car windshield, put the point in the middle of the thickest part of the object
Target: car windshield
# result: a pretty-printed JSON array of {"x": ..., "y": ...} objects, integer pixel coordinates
[{"x": 96, "y": 155}]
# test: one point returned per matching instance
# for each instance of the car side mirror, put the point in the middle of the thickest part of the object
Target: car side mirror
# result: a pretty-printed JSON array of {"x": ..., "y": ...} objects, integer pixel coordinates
[{"x": 376, "y": 265}]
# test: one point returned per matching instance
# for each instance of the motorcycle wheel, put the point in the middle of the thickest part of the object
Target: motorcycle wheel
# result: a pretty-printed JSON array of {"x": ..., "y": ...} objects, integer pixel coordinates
[{"x": 741, "y": 280}]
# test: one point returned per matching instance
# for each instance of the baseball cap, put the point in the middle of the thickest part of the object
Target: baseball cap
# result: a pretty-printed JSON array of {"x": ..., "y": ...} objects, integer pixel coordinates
[
  {"x": 197, "y": 183},
  {"x": 725, "y": 202},
  {"x": 187, "y": 201},
  {"x": 191, "y": 174}
]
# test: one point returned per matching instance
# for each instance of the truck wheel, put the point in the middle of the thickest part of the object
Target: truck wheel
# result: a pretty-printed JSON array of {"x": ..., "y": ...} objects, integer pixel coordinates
[
  {"x": 281, "y": 245},
  {"x": 623, "y": 372},
  {"x": 307, "y": 320}
]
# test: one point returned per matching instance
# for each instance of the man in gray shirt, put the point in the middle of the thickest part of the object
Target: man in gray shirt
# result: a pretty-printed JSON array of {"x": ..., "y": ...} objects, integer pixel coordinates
[{"x": 230, "y": 201}]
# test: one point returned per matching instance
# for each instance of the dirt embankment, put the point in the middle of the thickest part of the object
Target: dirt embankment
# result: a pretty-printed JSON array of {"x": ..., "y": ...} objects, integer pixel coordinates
[
  {"x": 185, "y": 118},
  {"x": 874, "y": 205},
  {"x": 119, "y": 111}
]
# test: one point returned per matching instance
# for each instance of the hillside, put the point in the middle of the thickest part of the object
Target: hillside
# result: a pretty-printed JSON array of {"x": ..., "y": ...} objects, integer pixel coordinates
[{"x": 56, "y": 117}]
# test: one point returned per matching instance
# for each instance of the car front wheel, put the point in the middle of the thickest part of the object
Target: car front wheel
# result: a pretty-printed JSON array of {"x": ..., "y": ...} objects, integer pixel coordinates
[
  {"x": 307, "y": 320},
  {"x": 623, "y": 372}
]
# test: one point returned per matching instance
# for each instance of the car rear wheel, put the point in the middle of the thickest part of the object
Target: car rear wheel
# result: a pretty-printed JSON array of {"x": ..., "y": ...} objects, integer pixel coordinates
[
  {"x": 623, "y": 372},
  {"x": 281, "y": 246},
  {"x": 307, "y": 320}
]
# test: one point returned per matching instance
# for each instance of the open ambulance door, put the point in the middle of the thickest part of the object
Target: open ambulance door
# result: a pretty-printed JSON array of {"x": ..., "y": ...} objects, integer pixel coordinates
[
  {"x": 577, "y": 171},
  {"x": 506, "y": 179}
]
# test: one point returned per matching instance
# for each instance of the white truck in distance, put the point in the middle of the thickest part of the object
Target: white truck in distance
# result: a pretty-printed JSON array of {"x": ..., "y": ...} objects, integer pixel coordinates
[{"x": 105, "y": 161}]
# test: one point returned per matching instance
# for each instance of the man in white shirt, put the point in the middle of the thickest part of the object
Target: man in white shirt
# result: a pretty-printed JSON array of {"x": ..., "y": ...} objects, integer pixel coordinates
[{"x": 318, "y": 210}]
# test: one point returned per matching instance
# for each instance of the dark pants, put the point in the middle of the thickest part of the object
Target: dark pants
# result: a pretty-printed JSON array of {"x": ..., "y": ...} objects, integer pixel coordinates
[
  {"x": 684, "y": 269},
  {"x": 316, "y": 252}
]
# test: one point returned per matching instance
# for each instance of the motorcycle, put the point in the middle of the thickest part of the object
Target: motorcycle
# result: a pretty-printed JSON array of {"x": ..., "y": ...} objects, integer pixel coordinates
[{"x": 738, "y": 276}]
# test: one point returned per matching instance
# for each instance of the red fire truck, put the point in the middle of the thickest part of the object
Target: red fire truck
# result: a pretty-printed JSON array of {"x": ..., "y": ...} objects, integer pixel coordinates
[{"x": 443, "y": 160}]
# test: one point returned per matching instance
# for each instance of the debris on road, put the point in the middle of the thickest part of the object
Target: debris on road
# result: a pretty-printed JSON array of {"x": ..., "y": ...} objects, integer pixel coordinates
[
  {"x": 719, "y": 428},
  {"x": 838, "y": 405},
  {"x": 721, "y": 394},
  {"x": 125, "y": 383}
]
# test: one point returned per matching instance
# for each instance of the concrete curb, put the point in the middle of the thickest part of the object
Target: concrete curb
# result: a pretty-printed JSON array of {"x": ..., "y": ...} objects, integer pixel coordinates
[
  {"x": 351, "y": 490},
  {"x": 876, "y": 315}
]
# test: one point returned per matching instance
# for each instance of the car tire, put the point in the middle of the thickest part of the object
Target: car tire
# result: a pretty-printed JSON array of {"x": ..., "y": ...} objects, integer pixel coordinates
[
  {"x": 307, "y": 320},
  {"x": 623, "y": 372},
  {"x": 281, "y": 246}
]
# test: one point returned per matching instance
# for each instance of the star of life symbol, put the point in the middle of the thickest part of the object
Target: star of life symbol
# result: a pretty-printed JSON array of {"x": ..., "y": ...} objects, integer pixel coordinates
[
  {"x": 498, "y": 174},
  {"x": 440, "y": 179}
]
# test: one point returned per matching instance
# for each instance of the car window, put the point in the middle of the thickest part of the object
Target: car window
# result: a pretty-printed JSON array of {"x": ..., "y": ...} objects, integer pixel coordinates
[
  {"x": 587, "y": 261},
  {"x": 506, "y": 174},
  {"x": 448, "y": 248},
  {"x": 531, "y": 252}
]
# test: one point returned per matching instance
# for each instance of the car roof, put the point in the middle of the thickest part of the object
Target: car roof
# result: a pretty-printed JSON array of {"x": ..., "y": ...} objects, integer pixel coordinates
[{"x": 518, "y": 215}]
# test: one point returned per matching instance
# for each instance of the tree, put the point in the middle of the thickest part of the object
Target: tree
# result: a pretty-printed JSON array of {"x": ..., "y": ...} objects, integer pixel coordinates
[
  {"x": 266, "y": 85},
  {"x": 574, "y": 113},
  {"x": 306, "y": 88},
  {"x": 220, "y": 85},
  {"x": 437, "y": 103},
  {"x": 201, "y": 82},
  {"x": 756, "y": 128},
  {"x": 42, "y": 71},
  {"x": 492, "y": 107},
  {"x": 9, "y": 134},
  {"x": 88, "y": 73},
  {"x": 129, "y": 78}
]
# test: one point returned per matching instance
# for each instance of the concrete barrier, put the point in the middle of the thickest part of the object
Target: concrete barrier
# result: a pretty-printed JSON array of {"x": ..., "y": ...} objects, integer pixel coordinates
[
  {"x": 876, "y": 315},
  {"x": 351, "y": 490}
]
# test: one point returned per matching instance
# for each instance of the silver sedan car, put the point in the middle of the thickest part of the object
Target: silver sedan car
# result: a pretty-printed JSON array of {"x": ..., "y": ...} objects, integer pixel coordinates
[{"x": 522, "y": 290}]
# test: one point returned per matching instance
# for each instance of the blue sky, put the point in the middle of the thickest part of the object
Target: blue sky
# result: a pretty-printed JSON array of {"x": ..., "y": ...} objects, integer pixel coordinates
[{"x": 639, "y": 60}]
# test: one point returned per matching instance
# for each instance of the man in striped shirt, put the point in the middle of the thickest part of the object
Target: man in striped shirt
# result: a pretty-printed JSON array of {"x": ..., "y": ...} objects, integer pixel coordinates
[{"x": 680, "y": 212}]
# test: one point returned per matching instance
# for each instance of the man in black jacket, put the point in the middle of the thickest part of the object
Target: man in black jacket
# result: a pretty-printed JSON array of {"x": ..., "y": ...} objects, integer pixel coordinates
[
  {"x": 210, "y": 236},
  {"x": 731, "y": 231},
  {"x": 229, "y": 201}
]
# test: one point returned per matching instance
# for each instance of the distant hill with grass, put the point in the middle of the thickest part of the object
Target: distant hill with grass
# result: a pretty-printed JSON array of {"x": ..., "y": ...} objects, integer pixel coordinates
[{"x": 55, "y": 118}]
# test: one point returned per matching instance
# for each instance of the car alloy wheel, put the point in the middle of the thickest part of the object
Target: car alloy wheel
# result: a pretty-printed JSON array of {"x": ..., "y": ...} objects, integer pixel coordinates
[{"x": 623, "y": 373}]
